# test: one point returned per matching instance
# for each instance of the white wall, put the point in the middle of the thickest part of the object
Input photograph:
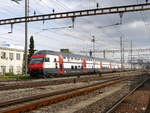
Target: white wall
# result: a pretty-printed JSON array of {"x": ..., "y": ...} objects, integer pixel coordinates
[{"x": 8, "y": 63}]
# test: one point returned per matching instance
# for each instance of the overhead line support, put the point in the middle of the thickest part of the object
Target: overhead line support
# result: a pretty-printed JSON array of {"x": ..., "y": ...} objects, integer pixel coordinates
[
  {"x": 118, "y": 51},
  {"x": 80, "y": 13}
]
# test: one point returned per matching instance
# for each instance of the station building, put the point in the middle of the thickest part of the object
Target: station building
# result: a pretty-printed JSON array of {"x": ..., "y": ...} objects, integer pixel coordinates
[{"x": 11, "y": 60}]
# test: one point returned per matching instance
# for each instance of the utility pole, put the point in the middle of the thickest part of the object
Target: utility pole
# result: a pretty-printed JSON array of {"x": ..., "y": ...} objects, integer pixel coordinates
[
  {"x": 131, "y": 55},
  {"x": 123, "y": 46},
  {"x": 121, "y": 53},
  {"x": 93, "y": 41},
  {"x": 26, "y": 36}
]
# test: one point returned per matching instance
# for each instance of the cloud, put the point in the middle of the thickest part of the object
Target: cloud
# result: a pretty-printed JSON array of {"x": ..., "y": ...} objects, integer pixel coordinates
[{"x": 135, "y": 25}]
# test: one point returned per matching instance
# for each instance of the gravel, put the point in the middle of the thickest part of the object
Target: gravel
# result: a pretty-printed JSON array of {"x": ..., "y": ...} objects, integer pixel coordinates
[
  {"x": 66, "y": 105},
  {"x": 137, "y": 102},
  {"x": 20, "y": 93},
  {"x": 101, "y": 104},
  {"x": 81, "y": 105}
]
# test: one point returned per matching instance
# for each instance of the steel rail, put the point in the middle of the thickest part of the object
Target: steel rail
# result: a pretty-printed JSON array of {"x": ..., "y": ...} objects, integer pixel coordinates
[
  {"x": 80, "y": 13},
  {"x": 4, "y": 87},
  {"x": 57, "y": 97},
  {"x": 34, "y": 84},
  {"x": 112, "y": 109}
]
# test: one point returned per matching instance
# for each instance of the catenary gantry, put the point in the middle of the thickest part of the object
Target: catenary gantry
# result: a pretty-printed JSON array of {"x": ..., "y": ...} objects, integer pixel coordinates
[
  {"x": 117, "y": 50},
  {"x": 80, "y": 13}
]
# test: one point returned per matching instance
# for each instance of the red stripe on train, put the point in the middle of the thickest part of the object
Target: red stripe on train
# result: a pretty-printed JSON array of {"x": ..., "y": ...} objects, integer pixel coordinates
[
  {"x": 61, "y": 65},
  {"x": 36, "y": 66},
  {"x": 84, "y": 65},
  {"x": 110, "y": 67},
  {"x": 40, "y": 56}
]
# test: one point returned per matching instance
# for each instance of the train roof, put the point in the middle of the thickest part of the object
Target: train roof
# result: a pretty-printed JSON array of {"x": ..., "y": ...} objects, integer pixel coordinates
[{"x": 49, "y": 52}]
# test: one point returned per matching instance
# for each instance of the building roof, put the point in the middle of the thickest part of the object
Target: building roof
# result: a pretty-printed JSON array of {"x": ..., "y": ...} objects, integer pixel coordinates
[{"x": 11, "y": 49}]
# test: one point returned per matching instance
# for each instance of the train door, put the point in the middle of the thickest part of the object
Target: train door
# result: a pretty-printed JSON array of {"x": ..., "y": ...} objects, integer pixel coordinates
[
  {"x": 110, "y": 67},
  {"x": 47, "y": 63},
  {"x": 61, "y": 65},
  {"x": 84, "y": 65}
]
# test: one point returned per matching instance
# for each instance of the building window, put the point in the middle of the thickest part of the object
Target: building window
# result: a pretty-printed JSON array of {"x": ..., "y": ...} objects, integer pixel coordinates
[
  {"x": 18, "y": 56},
  {"x": 11, "y": 69},
  {"x": 3, "y": 55},
  {"x": 11, "y": 56},
  {"x": 3, "y": 69}
]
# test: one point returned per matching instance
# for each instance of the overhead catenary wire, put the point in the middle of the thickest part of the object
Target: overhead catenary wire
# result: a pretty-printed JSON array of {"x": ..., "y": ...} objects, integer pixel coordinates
[
  {"x": 58, "y": 27},
  {"x": 144, "y": 20}
]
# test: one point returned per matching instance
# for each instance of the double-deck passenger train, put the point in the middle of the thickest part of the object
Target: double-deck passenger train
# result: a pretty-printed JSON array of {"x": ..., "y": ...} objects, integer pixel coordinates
[{"x": 47, "y": 63}]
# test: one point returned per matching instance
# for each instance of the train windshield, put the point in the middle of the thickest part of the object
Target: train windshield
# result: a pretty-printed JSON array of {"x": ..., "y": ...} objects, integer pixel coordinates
[{"x": 36, "y": 60}]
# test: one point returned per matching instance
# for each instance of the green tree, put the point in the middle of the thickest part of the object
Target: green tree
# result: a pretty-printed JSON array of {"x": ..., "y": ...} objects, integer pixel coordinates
[{"x": 31, "y": 49}]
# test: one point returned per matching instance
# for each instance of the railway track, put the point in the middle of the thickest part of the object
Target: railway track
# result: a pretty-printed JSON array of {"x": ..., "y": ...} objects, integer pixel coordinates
[
  {"x": 49, "y": 82},
  {"x": 117, "y": 108},
  {"x": 55, "y": 81},
  {"x": 51, "y": 98}
]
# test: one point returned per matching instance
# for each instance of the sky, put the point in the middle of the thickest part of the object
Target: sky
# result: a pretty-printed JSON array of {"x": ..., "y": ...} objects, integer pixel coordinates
[{"x": 135, "y": 26}]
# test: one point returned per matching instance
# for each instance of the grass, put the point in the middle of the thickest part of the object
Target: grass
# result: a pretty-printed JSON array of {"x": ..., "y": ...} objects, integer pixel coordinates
[{"x": 15, "y": 77}]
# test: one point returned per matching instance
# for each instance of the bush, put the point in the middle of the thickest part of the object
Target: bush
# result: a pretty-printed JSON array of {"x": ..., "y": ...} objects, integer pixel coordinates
[
  {"x": 24, "y": 77},
  {"x": 9, "y": 74}
]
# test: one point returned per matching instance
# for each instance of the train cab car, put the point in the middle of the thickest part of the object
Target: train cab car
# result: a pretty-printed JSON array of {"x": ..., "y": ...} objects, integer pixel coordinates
[{"x": 47, "y": 63}]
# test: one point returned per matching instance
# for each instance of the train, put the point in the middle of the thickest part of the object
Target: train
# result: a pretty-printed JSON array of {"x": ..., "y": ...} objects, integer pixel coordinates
[{"x": 46, "y": 63}]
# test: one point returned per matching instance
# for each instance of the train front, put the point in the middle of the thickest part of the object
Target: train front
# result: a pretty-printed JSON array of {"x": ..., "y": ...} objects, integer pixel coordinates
[{"x": 36, "y": 66}]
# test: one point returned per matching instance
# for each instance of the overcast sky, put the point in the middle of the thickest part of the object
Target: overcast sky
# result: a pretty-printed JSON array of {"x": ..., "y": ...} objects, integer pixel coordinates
[{"x": 135, "y": 26}]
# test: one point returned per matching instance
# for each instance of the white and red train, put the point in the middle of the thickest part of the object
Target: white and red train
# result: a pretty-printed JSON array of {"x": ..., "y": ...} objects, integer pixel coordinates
[{"x": 46, "y": 63}]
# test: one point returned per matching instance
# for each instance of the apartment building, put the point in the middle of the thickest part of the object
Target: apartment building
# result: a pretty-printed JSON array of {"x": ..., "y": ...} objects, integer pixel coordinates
[{"x": 11, "y": 60}]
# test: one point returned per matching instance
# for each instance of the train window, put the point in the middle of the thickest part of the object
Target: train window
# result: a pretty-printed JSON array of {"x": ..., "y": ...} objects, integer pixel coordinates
[
  {"x": 81, "y": 67},
  {"x": 76, "y": 67},
  {"x": 36, "y": 60},
  {"x": 47, "y": 60},
  {"x": 64, "y": 57},
  {"x": 55, "y": 60},
  {"x": 72, "y": 67}
]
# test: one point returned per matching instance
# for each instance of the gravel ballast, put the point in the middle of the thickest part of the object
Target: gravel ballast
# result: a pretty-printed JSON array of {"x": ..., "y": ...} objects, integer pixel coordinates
[{"x": 96, "y": 102}]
